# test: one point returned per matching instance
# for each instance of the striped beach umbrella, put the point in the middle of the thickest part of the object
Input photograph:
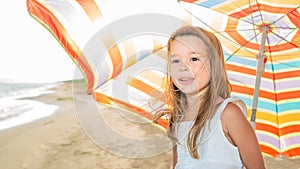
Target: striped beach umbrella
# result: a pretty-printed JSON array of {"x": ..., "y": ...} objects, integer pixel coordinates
[
  {"x": 261, "y": 40},
  {"x": 122, "y": 55}
]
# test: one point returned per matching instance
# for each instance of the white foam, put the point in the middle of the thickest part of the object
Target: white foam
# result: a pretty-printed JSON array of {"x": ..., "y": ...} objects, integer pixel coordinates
[
  {"x": 16, "y": 110},
  {"x": 25, "y": 111}
]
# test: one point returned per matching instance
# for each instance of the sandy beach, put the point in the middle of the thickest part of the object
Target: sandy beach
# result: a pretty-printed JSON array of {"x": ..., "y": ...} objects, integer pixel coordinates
[{"x": 59, "y": 141}]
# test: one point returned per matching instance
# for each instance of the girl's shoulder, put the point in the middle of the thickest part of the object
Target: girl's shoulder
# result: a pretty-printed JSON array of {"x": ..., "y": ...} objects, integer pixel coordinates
[
  {"x": 232, "y": 111},
  {"x": 233, "y": 105},
  {"x": 234, "y": 115}
]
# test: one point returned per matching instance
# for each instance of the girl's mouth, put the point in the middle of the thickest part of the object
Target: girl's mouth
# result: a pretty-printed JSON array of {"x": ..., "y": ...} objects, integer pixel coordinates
[{"x": 186, "y": 80}]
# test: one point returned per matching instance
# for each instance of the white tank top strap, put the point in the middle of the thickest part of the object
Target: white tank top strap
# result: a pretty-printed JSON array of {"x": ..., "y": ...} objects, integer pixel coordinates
[
  {"x": 237, "y": 101},
  {"x": 211, "y": 126}
]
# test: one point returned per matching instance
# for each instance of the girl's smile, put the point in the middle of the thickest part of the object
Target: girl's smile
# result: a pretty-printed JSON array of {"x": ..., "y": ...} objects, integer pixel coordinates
[{"x": 186, "y": 80}]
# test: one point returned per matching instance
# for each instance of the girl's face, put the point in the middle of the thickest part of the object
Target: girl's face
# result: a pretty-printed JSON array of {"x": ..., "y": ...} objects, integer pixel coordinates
[{"x": 189, "y": 67}]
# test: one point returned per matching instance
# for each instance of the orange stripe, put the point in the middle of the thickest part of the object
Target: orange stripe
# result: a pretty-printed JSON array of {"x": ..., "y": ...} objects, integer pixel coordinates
[
  {"x": 240, "y": 69},
  {"x": 295, "y": 41},
  {"x": 250, "y": 91},
  {"x": 91, "y": 9},
  {"x": 265, "y": 94},
  {"x": 269, "y": 150},
  {"x": 294, "y": 17},
  {"x": 56, "y": 28},
  {"x": 289, "y": 129},
  {"x": 280, "y": 75},
  {"x": 267, "y": 128},
  {"x": 231, "y": 31},
  {"x": 245, "y": 12},
  {"x": 190, "y": 1},
  {"x": 288, "y": 95},
  {"x": 233, "y": 22},
  {"x": 262, "y": 7},
  {"x": 295, "y": 152},
  {"x": 241, "y": 89},
  {"x": 243, "y": 42},
  {"x": 114, "y": 54},
  {"x": 289, "y": 74},
  {"x": 149, "y": 90},
  {"x": 101, "y": 98}
]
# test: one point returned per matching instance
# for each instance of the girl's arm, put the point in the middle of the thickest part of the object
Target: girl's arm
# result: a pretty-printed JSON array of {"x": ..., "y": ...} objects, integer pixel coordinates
[
  {"x": 174, "y": 155},
  {"x": 243, "y": 136}
]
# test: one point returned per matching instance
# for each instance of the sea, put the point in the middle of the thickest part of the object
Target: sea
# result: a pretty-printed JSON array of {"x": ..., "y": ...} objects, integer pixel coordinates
[{"x": 17, "y": 107}]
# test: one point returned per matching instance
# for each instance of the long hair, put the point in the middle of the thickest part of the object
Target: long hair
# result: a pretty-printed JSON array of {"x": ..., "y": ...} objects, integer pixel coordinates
[{"x": 218, "y": 86}]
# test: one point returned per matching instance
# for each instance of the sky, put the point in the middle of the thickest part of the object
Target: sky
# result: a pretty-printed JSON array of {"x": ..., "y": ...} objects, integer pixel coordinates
[{"x": 29, "y": 52}]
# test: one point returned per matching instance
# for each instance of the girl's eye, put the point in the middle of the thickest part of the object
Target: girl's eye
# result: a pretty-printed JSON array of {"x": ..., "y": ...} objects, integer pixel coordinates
[
  {"x": 175, "y": 61},
  {"x": 194, "y": 59}
]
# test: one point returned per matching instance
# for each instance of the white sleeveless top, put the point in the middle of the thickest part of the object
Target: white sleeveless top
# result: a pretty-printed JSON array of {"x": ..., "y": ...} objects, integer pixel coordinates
[{"x": 215, "y": 151}]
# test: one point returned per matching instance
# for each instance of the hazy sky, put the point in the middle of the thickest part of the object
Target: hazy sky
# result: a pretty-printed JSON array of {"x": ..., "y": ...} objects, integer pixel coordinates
[{"x": 29, "y": 52}]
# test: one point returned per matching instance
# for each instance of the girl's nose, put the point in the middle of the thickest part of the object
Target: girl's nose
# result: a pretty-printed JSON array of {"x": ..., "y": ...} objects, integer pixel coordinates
[{"x": 183, "y": 67}]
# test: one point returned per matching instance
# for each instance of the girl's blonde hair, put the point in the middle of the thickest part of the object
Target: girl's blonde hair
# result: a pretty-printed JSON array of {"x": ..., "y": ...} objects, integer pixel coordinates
[{"x": 218, "y": 86}]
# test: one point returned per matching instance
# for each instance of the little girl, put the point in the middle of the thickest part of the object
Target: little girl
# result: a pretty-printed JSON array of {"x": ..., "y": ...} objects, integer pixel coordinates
[{"x": 210, "y": 128}]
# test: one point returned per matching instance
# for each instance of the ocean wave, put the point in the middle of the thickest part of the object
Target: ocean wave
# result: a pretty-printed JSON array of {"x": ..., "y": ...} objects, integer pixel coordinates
[{"x": 16, "y": 107}]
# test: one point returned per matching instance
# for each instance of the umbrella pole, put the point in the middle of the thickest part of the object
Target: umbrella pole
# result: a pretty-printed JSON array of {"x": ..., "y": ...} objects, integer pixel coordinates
[{"x": 259, "y": 71}]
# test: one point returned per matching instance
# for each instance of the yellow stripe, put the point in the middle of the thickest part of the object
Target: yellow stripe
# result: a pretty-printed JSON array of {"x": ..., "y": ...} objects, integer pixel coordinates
[
  {"x": 289, "y": 124},
  {"x": 267, "y": 117},
  {"x": 153, "y": 77},
  {"x": 283, "y": 2},
  {"x": 289, "y": 135},
  {"x": 233, "y": 6},
  {"x": 157, "y": 45},
  {"x": 130, "y": 52},
  {"x": 292, "y": 54},
  {"x": 228, "y": 44},
  {"x": 291, "y": 147},
  {"x": 162, "y": 53},
  {"x": 289, "y": 118}
]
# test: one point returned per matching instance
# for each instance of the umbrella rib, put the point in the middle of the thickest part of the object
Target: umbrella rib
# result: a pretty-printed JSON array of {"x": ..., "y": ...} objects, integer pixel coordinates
[
  {"x": 253, "y": 21},
  {"x": 285, "y": 15},
  {"x": 269, "y": 44},
  {"x": 235, "y": 30},
  {"x": 284, "y": 39},
  {"x": 275, "y": 92},
  {"x": 293, "y": 29},
  {"x": 240, "y": 9},
  {"x": 260, "y": 14},
  {"x": 241, "y": 46},
  {"x": 282, "y": 63}
]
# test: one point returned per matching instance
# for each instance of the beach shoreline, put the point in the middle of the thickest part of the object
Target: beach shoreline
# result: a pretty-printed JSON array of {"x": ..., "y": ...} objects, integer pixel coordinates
[{"x": 59, "y": 141}]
